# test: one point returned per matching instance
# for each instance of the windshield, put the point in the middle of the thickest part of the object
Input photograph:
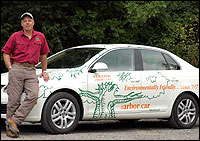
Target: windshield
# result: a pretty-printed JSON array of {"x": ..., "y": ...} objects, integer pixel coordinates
[{"x": 71, "y": 58}]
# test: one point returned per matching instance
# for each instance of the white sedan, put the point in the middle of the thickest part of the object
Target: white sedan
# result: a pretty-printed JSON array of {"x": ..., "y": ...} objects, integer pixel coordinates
[{"x": 113, "y": 81}]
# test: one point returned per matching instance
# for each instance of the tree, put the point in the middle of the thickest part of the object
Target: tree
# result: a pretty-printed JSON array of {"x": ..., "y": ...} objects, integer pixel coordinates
[{"x": 171, "y": 25}]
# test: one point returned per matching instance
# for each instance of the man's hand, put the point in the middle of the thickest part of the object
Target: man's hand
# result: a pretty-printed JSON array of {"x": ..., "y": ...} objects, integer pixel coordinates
[{"x": 45, "y": 76}]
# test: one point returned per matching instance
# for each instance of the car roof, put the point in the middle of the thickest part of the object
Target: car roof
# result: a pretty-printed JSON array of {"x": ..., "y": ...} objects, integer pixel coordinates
[
  {"x": 108, "y": 46},
  {"x": 116, "y": 46},
  {"x": 113, "y": 46}
]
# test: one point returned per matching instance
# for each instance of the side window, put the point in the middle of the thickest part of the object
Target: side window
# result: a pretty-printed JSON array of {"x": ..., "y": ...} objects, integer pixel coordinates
[
  {"x": 153, "y": 60},
  {"x": 119, "y": 60},
  {"x": 172, "y": 64}
]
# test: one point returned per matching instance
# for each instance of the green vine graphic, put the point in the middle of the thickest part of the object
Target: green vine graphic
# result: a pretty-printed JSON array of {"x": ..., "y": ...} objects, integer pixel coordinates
[
  {"x": 76, "y": 71},
  {"x": 123, "y": 76},
  {"x": 56, "y": 76},
  {"x": 153, "y": 80},
  {"x": 44, "y": 89}
]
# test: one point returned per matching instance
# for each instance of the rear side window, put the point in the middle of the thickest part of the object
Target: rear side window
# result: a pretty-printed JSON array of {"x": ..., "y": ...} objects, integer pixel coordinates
[
  {"x": 172, "y": 64},
  {"x": 153, "y": 60}
]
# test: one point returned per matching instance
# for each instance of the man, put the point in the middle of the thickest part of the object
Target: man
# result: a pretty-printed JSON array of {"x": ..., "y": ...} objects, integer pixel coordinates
[{"x": 27, "y": 47}]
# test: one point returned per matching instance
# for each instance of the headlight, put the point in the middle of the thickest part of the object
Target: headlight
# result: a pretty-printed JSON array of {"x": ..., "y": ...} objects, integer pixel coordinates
[{"x": 2, "y": 86}]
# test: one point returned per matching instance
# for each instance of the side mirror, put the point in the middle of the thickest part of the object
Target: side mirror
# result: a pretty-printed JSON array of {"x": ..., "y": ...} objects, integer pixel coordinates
[{"x": 98, "y": 67}]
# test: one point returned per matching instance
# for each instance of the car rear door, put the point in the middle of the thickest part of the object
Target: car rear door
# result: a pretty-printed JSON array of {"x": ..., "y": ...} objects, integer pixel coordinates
[{"x": 159, "y": 81}]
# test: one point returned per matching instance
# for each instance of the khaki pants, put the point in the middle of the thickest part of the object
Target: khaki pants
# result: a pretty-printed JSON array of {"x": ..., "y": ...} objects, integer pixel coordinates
[{"x": 21, "y": 78}]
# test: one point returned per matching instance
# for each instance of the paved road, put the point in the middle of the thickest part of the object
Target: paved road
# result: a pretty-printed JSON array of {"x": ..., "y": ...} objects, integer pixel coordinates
[{"x": 110, "y": 130}]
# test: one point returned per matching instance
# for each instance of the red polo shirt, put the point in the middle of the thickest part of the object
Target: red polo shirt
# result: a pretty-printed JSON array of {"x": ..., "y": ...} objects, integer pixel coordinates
[{"x": 26, "y": 50}]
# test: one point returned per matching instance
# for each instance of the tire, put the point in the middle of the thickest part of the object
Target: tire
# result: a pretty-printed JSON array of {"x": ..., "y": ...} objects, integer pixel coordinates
[
  {"x": 185, "y": 112},
  {"x": 128, "y": 120},
  {"x": 3, "y": 122},
  {"x": 61, "y": 113}
]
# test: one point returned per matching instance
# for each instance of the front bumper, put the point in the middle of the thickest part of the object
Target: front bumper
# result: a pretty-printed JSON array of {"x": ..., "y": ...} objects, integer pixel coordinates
[
  {"x": 4, "y": 101},
  {"x": 3, "y": 108}
]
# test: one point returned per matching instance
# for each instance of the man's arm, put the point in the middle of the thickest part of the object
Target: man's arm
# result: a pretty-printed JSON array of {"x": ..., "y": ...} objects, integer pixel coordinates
[
  {"x": 44, "y": 74},
  {"x": 6, "y": 58},
  {"x": 43, "y": 59}
]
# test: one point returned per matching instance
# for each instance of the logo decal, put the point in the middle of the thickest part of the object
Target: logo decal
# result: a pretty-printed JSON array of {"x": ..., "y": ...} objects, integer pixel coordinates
[{"x": 37, "y": 39}]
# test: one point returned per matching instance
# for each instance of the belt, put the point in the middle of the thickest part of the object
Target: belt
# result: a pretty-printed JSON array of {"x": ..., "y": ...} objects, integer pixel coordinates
[{"x": 24, "y": 64}]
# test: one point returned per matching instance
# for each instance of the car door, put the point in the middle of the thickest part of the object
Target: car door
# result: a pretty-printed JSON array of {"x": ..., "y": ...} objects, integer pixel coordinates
[
  {"x": 109, "y": 93},
  {"x": 160, "y": 80}
]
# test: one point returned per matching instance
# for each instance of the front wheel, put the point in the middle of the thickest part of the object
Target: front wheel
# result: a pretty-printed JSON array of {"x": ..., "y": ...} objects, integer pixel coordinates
[
  {"x": 61, "y": 113},
  {"x": 185, "y": 112}
]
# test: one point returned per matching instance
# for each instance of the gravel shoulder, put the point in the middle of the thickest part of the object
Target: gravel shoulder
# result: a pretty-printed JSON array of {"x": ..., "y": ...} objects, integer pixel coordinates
[{"x": 151, "y": 129}]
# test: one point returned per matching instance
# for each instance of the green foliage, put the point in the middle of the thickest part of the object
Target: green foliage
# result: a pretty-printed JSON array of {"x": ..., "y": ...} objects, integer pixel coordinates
[
  {"x": 169, "y": 25},
  {"x": 172, "y": 25}
]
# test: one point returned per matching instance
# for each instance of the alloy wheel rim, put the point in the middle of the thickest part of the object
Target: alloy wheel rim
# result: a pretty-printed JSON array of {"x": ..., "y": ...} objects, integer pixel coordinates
[
  {"x": 186, "y": 111},
  {"x": 63, "y": 113}
]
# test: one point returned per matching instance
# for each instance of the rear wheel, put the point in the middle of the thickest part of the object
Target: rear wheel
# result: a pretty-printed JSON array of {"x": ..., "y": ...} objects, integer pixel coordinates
[
  {"x": 61, "y": 113},
  {"x": 185, "y": 112}
]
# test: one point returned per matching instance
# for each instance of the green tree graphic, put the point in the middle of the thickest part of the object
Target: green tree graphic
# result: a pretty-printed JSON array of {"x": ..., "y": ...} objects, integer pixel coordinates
[
  {"x": 105, "y": 97},
  {"x": 99, "y": 97}
]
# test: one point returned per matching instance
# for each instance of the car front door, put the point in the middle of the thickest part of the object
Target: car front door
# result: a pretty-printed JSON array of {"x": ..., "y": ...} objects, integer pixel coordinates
[{"x": 109, "y": 93}]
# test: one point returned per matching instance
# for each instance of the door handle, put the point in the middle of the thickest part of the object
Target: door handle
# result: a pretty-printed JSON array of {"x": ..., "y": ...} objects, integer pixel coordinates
[
  {"x": 135, "y": 80},
  {"x": 174, "y": 80}
]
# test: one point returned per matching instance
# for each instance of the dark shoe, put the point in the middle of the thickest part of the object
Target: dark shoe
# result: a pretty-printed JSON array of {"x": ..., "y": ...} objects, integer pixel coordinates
[
  {"x": 11, "y": 125},
  {"x": 10, "y": 134}
]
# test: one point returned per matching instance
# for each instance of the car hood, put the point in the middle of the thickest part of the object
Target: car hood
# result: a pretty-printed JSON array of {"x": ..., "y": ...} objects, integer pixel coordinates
[
  {"x": 4, "y": 78},
  {"x": 54, "y": 74}
]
